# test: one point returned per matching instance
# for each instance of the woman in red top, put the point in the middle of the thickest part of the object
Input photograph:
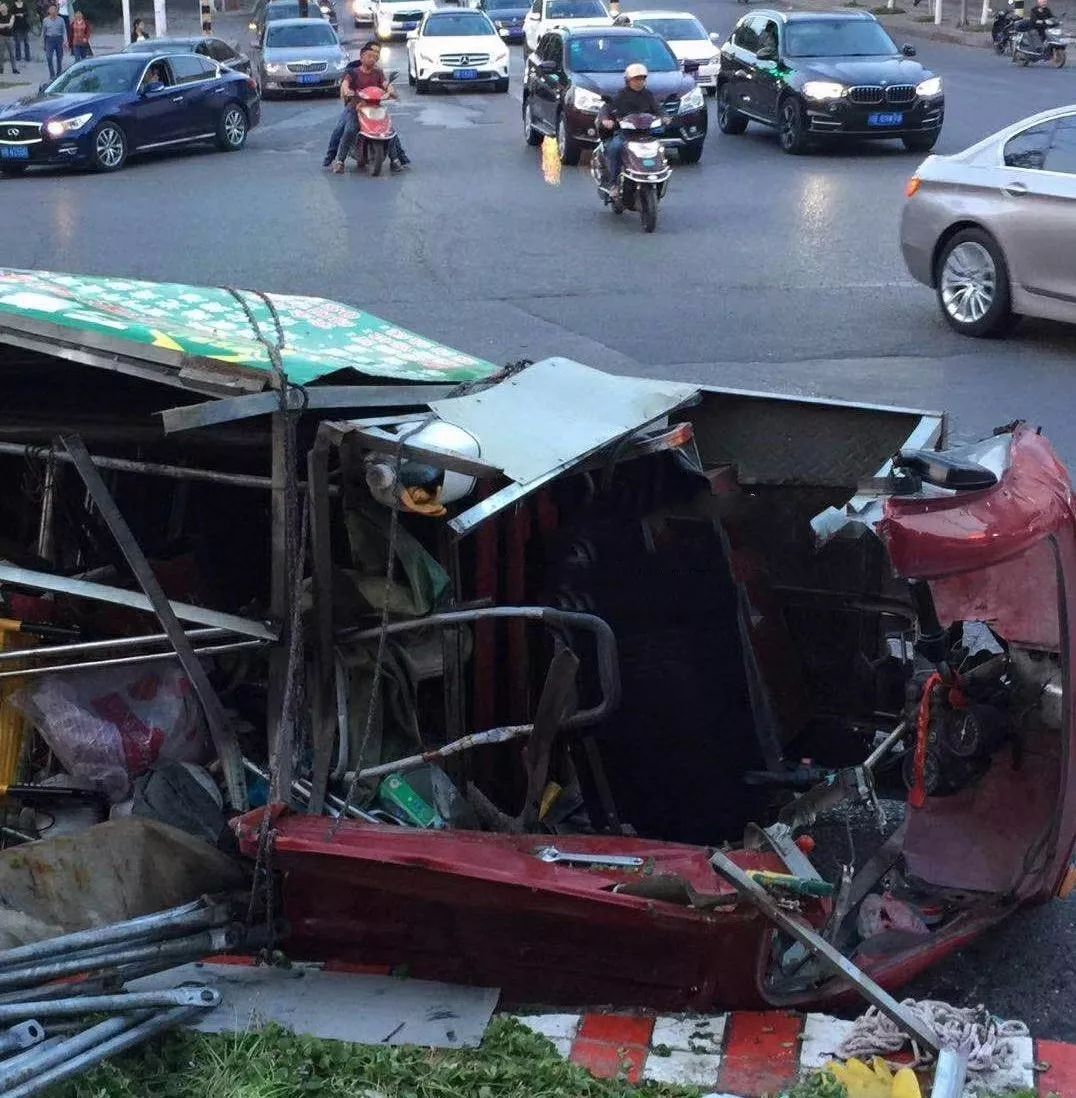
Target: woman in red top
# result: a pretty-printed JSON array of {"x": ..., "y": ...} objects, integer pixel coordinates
[{"x": 80, "y": 37}]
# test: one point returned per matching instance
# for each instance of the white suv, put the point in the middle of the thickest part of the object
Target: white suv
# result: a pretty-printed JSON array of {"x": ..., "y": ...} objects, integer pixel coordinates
[
  {"x": 457, "y": 47},
  {"x": 395, "y": 18},
  {"x": 547, "y": 15}
]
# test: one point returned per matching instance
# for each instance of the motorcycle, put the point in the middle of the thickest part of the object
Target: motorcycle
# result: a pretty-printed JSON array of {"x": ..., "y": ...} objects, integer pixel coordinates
[
  {"x": 1027, "y": 46},
  {"x": 1004, "y": 28},
  {"x": 644, "y": 170},
  {"x": 376, "y": 130}
]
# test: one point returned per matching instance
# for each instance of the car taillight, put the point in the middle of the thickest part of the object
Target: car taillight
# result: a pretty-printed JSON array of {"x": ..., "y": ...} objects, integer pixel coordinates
[
  {"x": 913, "y": 186},
  {"x": 252, "y": 83}
]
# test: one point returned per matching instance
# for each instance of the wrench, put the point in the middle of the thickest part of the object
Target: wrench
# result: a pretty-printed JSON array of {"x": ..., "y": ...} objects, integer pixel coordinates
[{"x": 552, "y": 854}]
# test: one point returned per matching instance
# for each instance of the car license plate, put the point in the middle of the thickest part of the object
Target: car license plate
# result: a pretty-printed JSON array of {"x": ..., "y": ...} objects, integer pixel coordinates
[
  {"x": 885, "y": 119},
  {"x": 409, "y": 26},
  {"x": 465, "y": 74},
  {"x": 16, "y": 152},
  {"x": 310, "y": 78}
]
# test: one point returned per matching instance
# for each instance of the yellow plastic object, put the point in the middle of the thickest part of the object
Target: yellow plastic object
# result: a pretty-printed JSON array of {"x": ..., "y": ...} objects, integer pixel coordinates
[
  {"x": 12, "y": 722},
  {"x": 550, "y": 161},
  {"x": 876, "y": 1081}
]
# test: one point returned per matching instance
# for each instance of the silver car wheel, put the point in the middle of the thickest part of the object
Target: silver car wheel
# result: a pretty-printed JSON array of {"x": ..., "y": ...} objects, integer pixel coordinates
[
  {"x": 109, "y": 146},
  {"x": 968, "y": 282},
  {"x": 235, "y": 126}
]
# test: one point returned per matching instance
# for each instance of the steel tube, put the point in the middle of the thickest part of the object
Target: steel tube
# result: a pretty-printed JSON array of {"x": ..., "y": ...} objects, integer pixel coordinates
[
  {"x": 950, "y": 1073},
  {"x": 203, "y": 997},
  {"x": 303, "y": 789},
  {"x": 195, "y": 946},
  {"x": 83, "y": 1061},
  {"x": 142, "y": 926},
  {"x": 875, "y": 756},
  {"x": 111, "y": 644},
  {"x": 124, "y": 661},
  {"x": 14, "y": 1064},
  {"x": 22, "y": 1036},
  {"x": 48, "y": 1056}
]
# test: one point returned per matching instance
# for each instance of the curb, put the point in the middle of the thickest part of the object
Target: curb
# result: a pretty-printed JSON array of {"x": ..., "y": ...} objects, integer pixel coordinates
[{"x": 747, "y": 1054}]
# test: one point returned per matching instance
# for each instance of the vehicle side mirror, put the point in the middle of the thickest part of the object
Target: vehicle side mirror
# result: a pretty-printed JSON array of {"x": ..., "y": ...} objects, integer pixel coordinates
[
  {"x": 767, "y": 53},
  {"x": 503, "y": 32},
  {"x": 152, "y": 88},
  {"x": 42, "y": 86},
  {"x": 908, "y": 50},
  {"x": 622, "y": 21},
  {"x": 715, "y": 38}
]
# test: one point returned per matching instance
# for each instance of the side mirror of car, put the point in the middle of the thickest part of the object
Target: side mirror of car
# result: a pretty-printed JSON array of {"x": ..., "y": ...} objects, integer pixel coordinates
[
  {"x": 767, "y": 53},
  {"x": 42, "y": 86},
  {"x": 622, "y": 21},
  {"x": 715, "y": 38},
  {"x": 152, "y": 88},
  {"x": 503, "y": 32},
  {"x": 908, "y": 49}
]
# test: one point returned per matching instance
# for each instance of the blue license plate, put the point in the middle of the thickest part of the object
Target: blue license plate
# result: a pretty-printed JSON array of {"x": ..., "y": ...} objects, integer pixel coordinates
[
  {"x": 310, "y": 78},
  {"x": 465, "y": 74},
  {"x": 409, "y": 26},
  {"x": 885, "y": 119},
  {"x": 14, "y": 152}
]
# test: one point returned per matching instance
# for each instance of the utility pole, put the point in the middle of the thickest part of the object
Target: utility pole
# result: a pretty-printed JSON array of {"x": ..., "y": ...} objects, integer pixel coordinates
[
  {"x": 126, "y": 20},
  {"x": 937, "y": 12},
  {"x": 207, "y": 16},
  {"x": 160, "y": 19}
]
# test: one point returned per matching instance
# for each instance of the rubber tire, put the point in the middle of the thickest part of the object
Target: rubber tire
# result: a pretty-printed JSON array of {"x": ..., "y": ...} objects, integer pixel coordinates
[
  {"x": 410, "y": 79},
  {"x": 375, "y": 158},
  {"x": 999, "y": 47},
  {"x": 999, "y": 318},
  {"x": 711, "y": 92},
  {"x": 569, "y": 149},
  {"x": 794, "y": 144},
  {"x": 422, "y": 87},
  {"x": 648, "y": 208},
  {"x": 13, "y": 169},
  {"x": 921, "y": 143},
  {"x": 731, "y": 121},
  {"x": 97, "y": 165},
  {"x": 223, "y": 143},
  {"x": 501, "y": 86},
  {"x": 1058, "y": 59},
  {"x": 691, "y": 154},
  {"x": 530, "y": 134}
]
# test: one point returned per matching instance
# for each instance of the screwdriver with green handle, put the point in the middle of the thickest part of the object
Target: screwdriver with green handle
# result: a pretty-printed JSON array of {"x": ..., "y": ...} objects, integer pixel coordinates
[{"x": 801, "y": 886}]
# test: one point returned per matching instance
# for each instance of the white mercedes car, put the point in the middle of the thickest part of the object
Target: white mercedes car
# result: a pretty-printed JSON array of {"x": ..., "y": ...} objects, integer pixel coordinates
[
  {"x": 687, "y": 39},
  {"x": 457, "y": 47},
  {"x": 547, "y": 15}
]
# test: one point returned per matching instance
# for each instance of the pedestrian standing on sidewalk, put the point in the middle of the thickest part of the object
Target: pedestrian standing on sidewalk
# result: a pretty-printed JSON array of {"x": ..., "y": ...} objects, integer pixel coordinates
[
  {"x": 138, "y": 31},
  {"x": 20, "y": 9},
  {"x": 63, "y": 7},
  {"x": 80, "y": 37},
  {"x": 7, "y": 37},
  {"x": 53, "y": 34}
]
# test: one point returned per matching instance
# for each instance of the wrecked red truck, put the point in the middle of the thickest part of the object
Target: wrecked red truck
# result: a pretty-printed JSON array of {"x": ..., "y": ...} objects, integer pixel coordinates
[{"x": 512, "y": 652}]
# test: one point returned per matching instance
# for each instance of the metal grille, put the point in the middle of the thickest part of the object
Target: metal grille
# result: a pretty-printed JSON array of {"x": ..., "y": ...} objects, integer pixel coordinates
[
  {"x": 900, "y": 93},
  {"x": 866, "y": 93},
  {"x": 307, "y": 66},
  {"x": 406, "y": 16},
  {"x": 19, "y": 131},
  {"x": 454, "y": 59},
  {"x": 671, "y": 104}
]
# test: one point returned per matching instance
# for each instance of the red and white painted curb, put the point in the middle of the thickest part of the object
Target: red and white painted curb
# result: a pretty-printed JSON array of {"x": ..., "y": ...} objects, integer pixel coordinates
[{"x": 748, "y": 1055}]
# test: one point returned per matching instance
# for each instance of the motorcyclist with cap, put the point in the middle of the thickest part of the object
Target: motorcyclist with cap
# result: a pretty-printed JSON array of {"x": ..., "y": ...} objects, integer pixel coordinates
[{"x": 634, "y": 98}]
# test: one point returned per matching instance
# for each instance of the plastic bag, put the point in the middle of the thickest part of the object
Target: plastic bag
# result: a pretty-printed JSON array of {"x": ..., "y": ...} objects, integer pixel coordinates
[
  {"x": 110, "y": 725},
  {"x": 878, "y": 914}
]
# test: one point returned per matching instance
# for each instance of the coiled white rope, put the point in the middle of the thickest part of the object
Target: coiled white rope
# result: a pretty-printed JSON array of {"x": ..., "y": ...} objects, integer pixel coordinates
[{"x": 991, "y": 1042}]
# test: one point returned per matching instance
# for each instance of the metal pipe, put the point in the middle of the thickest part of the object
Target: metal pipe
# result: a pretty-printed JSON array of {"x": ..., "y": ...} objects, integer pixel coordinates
[
  {"x": 465, "y": 743},
  {"x": 219, "y": 940},
  {"x": 126, "y": 661},
  {"x": 13, "y": 1065},
  {"x": 48, "y": 1056},
  {"x": 48, "y": 509},
  {"x": 875, "y": 756},
  {"x": 950, "y": 1074},
  {"x": 204, "y": 997},
  {"x": 83, "y": 1061},
  {"x": 141, "y": 926},
  {"x": 303, "y": 789},
  {"x": 112, "y": 643},
  {"x": 123, "y": 465},
  {"x": 23, "y": 1036}
]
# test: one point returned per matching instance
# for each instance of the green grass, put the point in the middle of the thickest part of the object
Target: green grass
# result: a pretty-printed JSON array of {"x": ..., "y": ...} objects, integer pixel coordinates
[{"x": 512, "y": 1063}]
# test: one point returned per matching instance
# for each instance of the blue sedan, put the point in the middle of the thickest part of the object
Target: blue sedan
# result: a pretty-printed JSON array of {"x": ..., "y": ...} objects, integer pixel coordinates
[{"x": 105, "y": 109}]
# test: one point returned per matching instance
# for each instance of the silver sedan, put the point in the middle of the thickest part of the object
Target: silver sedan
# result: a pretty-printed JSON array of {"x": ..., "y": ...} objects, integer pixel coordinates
[
  {"x": 993, "y": 229},
  {"x": 299, "y": 55}
]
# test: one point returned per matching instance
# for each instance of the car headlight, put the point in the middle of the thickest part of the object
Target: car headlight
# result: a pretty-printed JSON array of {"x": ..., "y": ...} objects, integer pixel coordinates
[
  {"x": 693, "y": 101},
  {"x": 585, "y": 100},
  {"x": 824, "y": 89},
  {"x": 339, "y": 64},
  {"x": 59, "y": 126},
  {"x": 274, "y": 69},
  {"x": 384, "y": 26},
  {"x": 931, "y": 86}
]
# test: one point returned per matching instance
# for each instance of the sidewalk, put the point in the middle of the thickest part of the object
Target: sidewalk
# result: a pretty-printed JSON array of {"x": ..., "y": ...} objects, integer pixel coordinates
[
  {"x": 231, "y": 26},
  {"x": 748, "y": 1055},
  {"x": 908, "y": 21}
]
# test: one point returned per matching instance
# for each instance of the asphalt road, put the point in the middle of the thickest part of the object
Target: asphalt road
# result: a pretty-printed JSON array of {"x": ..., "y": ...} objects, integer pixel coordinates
[{"x": 766, "y": 272}]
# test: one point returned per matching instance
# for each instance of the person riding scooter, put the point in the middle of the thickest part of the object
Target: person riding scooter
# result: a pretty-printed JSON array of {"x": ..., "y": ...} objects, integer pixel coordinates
[
  {"x": 1040, "y": 18},
  {"x": 368, "y": 75},
  {"x": 634, "y": 98}
]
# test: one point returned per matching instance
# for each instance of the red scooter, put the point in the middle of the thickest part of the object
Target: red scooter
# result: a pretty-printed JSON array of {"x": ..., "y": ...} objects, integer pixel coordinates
[{"x": 376, "y": 130}]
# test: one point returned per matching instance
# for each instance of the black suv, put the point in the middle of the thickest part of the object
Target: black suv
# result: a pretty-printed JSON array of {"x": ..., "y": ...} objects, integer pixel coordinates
[
  {"x": 826, "y": 75},
  {"x": 573, "y": 71}
]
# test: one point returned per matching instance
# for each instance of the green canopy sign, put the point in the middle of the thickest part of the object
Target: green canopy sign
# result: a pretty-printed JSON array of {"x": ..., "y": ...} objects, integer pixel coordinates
[{"x": 320, "y": 336}]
